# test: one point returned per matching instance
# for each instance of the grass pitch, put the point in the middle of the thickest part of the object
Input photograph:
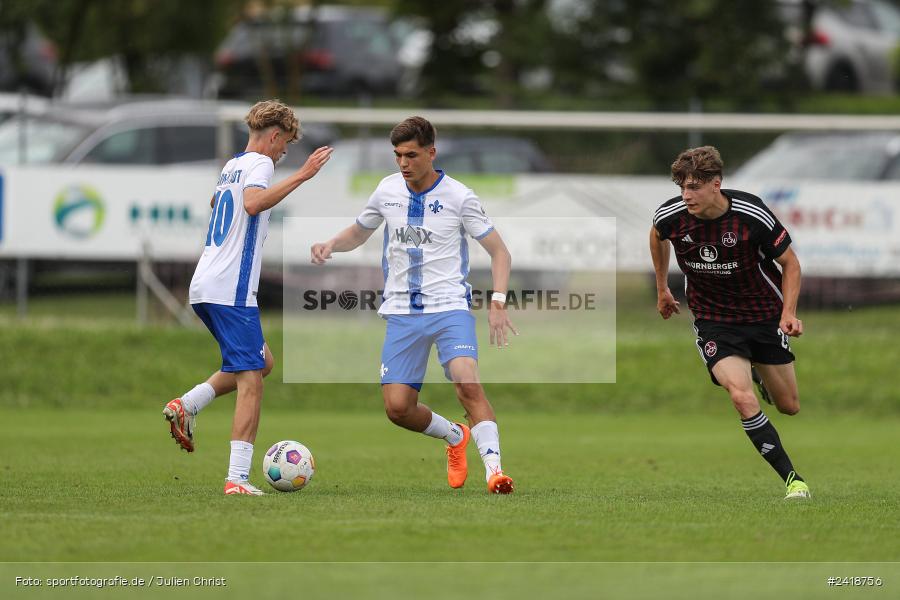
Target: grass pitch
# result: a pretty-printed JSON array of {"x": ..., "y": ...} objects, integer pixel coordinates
[
  {"x": 647, "y": 488},
  {"x": 112, "y": 486},
  {"x": 591, "y": 488}
]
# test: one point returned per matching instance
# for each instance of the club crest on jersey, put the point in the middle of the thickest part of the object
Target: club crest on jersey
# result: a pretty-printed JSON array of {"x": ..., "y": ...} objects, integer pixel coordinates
[
  {"x": 710, "y": 349},
  {"x": 730, "y": 239},
  {"x": 413, "y": 235},
  {"x": 435, "y": 206},
  {"x": 709, "y": 253}
]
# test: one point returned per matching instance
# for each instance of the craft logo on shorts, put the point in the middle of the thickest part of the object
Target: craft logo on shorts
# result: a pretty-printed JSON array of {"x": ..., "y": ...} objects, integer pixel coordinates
[
  {"x": 79, "y": 211},
  {"x": 709, "y": 253},
  {"x": 729, "y": 239},
  {"x": 710, "y": 348}
]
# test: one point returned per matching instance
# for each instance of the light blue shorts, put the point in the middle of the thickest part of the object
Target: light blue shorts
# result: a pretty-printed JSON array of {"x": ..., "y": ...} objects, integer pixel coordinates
[{"x": 408, "y": 340}]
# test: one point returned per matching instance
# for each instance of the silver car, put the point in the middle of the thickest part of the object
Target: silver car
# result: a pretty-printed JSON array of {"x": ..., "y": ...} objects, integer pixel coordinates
[
  {"x": 845, "y": 156},
  {"x": 157, "y": 132},
  {"x": 848, "y": 45}
]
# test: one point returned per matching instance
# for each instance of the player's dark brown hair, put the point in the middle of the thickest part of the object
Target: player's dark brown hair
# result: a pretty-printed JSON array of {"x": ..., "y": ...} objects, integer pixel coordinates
[
  {"x": 703, "y": 164},
  {"x": 413, "y": 128},
  {"x": 267, "y": 113}
]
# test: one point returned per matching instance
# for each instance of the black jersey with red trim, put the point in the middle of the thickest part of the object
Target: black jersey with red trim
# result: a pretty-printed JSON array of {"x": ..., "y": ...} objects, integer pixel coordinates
[{"x": 728, "y": 262}]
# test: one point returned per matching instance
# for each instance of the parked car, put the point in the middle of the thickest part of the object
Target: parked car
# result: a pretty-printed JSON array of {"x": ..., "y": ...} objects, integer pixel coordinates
[
  {"x": 160, "y": 132},
  {"x": 483, "y": 154},
  {"x": 847, "y": 45},
  {"x": 869, "y": 156},
  {"x": 330, "y": 50}
]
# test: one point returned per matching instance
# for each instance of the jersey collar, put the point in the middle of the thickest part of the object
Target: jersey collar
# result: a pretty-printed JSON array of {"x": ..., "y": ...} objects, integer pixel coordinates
[{"x": 433, "y": 185}]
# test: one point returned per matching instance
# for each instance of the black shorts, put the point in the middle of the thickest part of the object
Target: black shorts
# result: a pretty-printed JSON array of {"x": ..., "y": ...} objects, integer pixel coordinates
[{"x": 762, "y": 343}]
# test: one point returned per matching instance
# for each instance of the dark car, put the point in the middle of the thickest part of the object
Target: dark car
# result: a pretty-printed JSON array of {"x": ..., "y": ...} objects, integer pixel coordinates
[
  {"x": 849, "y": 156},
  {"x": 330, "y": 50}
]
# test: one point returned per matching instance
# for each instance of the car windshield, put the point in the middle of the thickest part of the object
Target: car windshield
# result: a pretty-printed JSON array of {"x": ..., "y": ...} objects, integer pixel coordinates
[
  {"x": 371, "y": 37},
  {"x": 43, "y": 141},
  {"x": 827, "y": 157},
  {"x": 888, "y": 17}
]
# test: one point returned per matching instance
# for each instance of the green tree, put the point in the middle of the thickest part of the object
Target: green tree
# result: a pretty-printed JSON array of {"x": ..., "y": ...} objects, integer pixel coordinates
[
  {"x": 701, "y": 48},
  {"x": 454, "y": 62},
  {"x": 143, "y": 33}
]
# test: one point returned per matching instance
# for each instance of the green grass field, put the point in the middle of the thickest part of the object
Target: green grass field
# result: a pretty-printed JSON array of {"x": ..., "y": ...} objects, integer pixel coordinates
[
  {"x": 596, "y": 488},
  {"x": 645, "y": 488}
]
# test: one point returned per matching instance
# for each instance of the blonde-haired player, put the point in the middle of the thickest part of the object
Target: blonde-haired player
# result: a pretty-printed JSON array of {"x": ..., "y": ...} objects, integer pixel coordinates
[{"x": 223, "y": 289}]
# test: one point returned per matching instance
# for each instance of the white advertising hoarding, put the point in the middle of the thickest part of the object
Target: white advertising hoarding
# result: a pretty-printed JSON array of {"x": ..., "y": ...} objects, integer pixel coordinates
[{"x": 112, "y": 213}]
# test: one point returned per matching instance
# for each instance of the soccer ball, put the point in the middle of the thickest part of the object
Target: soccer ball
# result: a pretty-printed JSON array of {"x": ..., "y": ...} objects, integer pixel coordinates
[{"x": 288, "y": 466}]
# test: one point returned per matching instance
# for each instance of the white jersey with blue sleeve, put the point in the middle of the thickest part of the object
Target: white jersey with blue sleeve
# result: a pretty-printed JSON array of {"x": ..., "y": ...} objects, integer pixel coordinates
[
  {"x": 426, "y": 254},
  {"x": 228, "y": 271}
]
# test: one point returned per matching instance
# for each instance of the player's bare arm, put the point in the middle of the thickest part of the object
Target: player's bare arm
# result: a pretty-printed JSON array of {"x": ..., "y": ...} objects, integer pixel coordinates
[
  {"x": 256, "y": 200},
  {"x": 790, "y": 288},
  {"x": 501, "y": 262},
  {"x": 660, "y": 251},
  {"x": 348, "y": 239}
]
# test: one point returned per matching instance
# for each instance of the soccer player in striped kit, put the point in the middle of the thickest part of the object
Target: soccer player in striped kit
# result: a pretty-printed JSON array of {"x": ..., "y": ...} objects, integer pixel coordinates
[
  {"x": 223, "y": 289},
  {"x": 730, "y": 246},
  {"x": 426, "y": 217}
]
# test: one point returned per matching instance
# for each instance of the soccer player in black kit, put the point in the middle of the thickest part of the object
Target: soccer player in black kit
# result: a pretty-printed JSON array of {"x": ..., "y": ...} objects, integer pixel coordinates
[{"x": 727, "y": 243}]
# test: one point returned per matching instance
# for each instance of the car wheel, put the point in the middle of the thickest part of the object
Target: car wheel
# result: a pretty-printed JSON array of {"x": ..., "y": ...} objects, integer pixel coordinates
[{"x": 841, "y": 78}]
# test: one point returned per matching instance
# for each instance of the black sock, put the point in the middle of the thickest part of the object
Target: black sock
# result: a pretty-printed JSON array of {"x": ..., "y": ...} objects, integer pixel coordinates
[{"x": 764, "y": 437}]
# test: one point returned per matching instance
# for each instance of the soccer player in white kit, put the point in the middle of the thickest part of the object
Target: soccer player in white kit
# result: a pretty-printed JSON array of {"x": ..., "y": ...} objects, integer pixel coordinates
[
  {"x": 223, "y": 289},
  {"x": 427, "y": 216}
]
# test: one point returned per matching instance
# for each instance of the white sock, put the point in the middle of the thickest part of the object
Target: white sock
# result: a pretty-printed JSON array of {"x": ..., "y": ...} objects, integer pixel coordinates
[
  {"x": 196, "y": 400},
  {"x": 487, "y": 438},
  {"x": 443, "y": 429},
  {"x": 241, "y": 457}
]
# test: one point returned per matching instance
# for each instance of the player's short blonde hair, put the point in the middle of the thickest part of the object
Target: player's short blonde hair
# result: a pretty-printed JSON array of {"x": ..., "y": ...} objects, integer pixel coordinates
[
  {"x": 267, "y": 113},
  {"x": 703, "y": 164}
]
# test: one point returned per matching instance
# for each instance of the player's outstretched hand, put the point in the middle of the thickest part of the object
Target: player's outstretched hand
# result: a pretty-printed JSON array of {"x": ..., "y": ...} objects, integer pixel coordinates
[
  {"x": 791, "y": 325},
  {"x": 666, "y": 304},
  {"x": 315, "y": 162},
  {"x": 319, "y": 253},
  {"x": 498, "y": 320}
]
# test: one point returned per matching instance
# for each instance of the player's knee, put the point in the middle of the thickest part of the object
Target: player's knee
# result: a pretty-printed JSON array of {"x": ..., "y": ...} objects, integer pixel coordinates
[
  {"x": 789, "y": 406},
  {"x": 744, "y": 401},
  {"x": 398, "y": 413}
]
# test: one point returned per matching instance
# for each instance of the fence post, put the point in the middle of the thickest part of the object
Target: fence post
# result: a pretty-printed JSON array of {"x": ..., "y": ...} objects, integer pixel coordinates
[
  {"x": 22, "y": 287},
  {"x": 141, "y": 292},
  {"x": 695, "y": 137}
]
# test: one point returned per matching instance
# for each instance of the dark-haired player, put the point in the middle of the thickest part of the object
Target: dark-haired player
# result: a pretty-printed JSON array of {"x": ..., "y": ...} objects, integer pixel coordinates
[{"x": 426, "y": 217}]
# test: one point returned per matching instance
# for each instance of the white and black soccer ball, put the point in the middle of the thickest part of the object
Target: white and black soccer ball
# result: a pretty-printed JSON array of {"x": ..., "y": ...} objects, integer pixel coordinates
[{"x": 288, "y": 466}]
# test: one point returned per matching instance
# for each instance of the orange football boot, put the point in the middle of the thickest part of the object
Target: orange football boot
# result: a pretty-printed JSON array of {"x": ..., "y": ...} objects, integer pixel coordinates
[
  {"x": 181, "y": 424},
  {"x": 457, "y": 466},
  {"x": 245, "y": 488},
  {"x": 500, "y": 483}
]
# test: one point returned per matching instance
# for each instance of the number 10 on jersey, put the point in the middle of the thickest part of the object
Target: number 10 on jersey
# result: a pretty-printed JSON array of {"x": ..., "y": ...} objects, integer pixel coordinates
[{"x": 220, "y": 220}]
